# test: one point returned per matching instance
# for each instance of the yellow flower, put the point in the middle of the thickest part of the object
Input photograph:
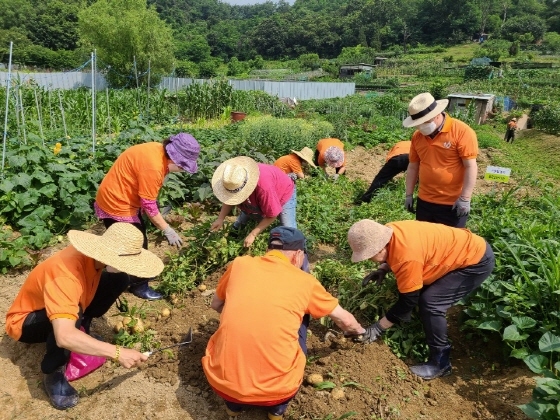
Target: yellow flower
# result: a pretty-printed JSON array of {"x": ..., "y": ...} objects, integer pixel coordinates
[{"x": 57, "y": 148}]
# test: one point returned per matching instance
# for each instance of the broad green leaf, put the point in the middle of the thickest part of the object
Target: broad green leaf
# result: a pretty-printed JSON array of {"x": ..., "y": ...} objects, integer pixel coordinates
[
  {"x": 536, "y": 362},
  {"x": 16, "y": 161},
  {"x": 521, "y": 353},
  {"x": 7, "y": 186},
  {"x": 41, "y": 176},
  {"x": 48, "y": 190},
  {"x": 524, "y": 322},
  {"x": 22, "y": 179},
  {"x": 491, "y": 325},
  {"x": 534, "y": 409},
  {"x": 512, "y": 334},
  {"x": 549, "y": 342},
  {"x": 35, "y": 156}
]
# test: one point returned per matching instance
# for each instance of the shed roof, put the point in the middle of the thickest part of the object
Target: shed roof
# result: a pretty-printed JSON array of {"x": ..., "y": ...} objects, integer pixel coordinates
[{"x": 483, "y": 96}]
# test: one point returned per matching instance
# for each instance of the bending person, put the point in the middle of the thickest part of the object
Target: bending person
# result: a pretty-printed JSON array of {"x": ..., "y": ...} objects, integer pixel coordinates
[
  {"x": 70, "y": 288},
  {"x": 330, "y": 152},
  {"x": 435, "y": 267},
  {"x": 294, "y": 163},
  {"x": 132, "y": 186}
]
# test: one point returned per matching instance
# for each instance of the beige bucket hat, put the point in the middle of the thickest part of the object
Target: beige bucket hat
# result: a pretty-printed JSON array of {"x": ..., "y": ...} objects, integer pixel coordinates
[
  {"x": 235, "y": 179},
  {"x": 119, "y": 247},
  {"x": 306, "y": 154},
  {"x": 422, "y": 108},
  {"x": 367, "y": 238}
]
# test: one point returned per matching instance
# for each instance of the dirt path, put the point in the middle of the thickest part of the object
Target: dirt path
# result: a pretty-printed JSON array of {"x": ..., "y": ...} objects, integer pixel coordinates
[{"x": 376, "y": 384}]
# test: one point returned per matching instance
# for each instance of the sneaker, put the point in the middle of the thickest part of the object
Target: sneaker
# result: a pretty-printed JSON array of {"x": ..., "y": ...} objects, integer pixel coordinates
[{"x": 61, "y": 394}]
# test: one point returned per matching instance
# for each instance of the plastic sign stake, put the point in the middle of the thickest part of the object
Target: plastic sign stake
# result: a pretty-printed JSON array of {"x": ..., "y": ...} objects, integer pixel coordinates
[{"x": 497, "y": 174}]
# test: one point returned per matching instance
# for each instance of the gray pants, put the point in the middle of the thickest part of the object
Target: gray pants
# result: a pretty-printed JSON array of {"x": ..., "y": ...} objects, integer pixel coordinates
[{"x": 439, "y": 296}]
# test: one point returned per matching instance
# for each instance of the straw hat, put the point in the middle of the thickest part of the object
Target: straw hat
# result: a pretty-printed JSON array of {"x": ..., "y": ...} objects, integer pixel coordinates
[
  {"x": 306, "y": 154},
  {"x": 422, "y": 108},
  {"x": 367, "y": 238},
  {"x": 235, "y": 180},
  {"x": 119, "y": 247},
  {"x": 514, "y": 119}
]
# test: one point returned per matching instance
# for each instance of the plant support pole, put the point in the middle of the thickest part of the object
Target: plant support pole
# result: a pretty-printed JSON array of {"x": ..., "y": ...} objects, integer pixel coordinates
[
  {"x": 93, "y": 100},
  {"x": 40, "y": 120},
  {"x": 108, "y": 111},
  {"x": 8, "y": 83},
  {"x": 62, "y": 113},
  {"x": 22, "y": 117}
]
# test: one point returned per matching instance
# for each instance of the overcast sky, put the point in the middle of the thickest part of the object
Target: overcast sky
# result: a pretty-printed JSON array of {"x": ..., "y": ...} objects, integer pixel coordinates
[{"x": 252, "y": 1}]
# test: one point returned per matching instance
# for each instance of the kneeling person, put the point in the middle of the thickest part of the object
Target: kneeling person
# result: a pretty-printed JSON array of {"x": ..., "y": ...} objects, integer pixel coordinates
[
  {"x": 257, "y": 356},
  {"x": 67, "y": 290}
]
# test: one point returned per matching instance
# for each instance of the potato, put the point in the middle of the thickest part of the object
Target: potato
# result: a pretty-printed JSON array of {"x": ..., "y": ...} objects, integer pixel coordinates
[
  {"x": 138, "y": 327},
  {"x": 118, "y": 326},
  {"x": 126, "y": 320},
  {"x": 174, "y": 301},
  {"x": 165, "y": 312},
  {"x": 337, "y": 393},
  {"x": 202, "y": 288},
  {"x": 314, "y": 379}
]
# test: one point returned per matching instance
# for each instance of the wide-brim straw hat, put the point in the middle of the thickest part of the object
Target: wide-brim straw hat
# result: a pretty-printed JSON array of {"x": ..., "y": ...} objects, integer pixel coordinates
[
  {"x": 235, "y": 179},
  {"x": 306, "y": 154},
  {"x": 367, "y": 238},
  {"x": 422, "y": 108},
  {"x": 119, "y": 247}
]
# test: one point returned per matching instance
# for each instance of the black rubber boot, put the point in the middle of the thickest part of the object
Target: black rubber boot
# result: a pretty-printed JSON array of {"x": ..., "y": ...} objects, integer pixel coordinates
[
  {"x": 61, "y": 394},
  {"x": 143, "y": 291},
  {"x": 438, "y": 365}
]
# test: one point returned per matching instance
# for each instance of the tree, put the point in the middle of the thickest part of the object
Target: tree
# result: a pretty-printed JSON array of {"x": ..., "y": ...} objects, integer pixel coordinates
[
  {"x": 55, "y": 24},
  {"x": 123, "y": 31},
  {"x": 520, "y": 25}
]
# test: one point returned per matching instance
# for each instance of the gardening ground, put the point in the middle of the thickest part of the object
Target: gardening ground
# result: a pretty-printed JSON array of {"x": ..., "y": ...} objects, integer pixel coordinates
[{"x": 377, "y": 385}]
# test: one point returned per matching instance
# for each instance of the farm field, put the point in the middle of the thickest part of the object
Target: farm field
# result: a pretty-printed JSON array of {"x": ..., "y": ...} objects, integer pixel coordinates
[{"x": 485, "y": 385}]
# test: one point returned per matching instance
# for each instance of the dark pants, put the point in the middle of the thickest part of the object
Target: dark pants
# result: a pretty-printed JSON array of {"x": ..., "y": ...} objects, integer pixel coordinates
[
  {"x": 510, "y": 136},
  {"x": 439, "y": 296},
  {"x": 392, "y": 168},
  {"x": 37, "y": 328},
  {"x": 439, "y": 213}
]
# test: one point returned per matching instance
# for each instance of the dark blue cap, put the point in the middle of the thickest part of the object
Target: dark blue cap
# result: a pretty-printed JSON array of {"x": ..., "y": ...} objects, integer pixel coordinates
[{"x": 291, "y": 238}]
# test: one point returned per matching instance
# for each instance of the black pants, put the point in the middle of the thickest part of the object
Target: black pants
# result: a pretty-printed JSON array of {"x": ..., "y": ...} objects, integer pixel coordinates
[
  {"x": 439, "y": 213},
  {"x": 392, "y": 168},
  {"x": 439, "y": 296},
  {"x": 37, "y": 328},
  {"x": 140, "y": 226},
  {"x": 510, "y": 135}
]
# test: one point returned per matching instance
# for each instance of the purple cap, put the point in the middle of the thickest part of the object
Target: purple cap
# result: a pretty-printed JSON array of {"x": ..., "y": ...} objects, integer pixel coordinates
[{"x": 183, "y": 149}]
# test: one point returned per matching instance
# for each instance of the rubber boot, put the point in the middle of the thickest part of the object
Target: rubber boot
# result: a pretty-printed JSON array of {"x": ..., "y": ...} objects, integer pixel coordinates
[
  {"x": 274, "y": 417},
  {"x": 143, "y": 291},
  {"x": 61, "y": 394},
  {"x": 438, "y": 365}
]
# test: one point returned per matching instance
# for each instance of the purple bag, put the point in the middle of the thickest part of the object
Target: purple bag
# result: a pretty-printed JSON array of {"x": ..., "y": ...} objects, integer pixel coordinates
[{"x": 79, "y": 365}]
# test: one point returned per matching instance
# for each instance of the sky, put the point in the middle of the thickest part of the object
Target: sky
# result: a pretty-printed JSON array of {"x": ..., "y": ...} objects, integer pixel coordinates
[{"x": 245, "y": 2}]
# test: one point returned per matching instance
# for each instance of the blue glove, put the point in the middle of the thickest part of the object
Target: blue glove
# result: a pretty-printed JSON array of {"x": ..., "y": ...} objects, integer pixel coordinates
[{"x": 463, "y": 207}]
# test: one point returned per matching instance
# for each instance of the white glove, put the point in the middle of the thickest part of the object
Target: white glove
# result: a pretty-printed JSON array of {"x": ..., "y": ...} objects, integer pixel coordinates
[
  {"x": 172, "y": 236},
  {"x": 463, "y": 207}
]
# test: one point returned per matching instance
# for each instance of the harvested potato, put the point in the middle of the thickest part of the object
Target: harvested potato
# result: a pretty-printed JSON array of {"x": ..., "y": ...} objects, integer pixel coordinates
[
  {"x": 126, "y": 321},
  {"x": 165, "y": 312},
  {"x": 118, "y": 326},
  {"x": 337, "y": 393},
  {"x": 202, "y": 288},
  {"x": 138, "y": 327},
  {"x": 314, "y": 379}
]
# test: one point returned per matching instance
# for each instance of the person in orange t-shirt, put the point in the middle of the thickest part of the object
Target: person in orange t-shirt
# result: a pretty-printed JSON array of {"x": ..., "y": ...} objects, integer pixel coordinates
[
  {"x": 510, "y": 132},
  {"x": 395, "y": 163},
  {"x": 132, "y": 186},
  {"x": 257, "y": 356},
  {"x": 442, "y": 161},
  {"x": 435, "y": 267},
  {"x": 293, "y": 164},
  {"x": 330, "y": 152},
  {"x": 67, "y": 290}
]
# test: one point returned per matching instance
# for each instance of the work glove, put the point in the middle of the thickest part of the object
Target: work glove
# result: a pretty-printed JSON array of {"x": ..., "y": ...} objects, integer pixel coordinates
[
  {"x": 372, "y": 333},
  {"x": 463, "y": 207},
  {"x": 172, "y": 237},
  {"x": 409, "y": 203},
  {"x": 293, "y": 176},
  {"x": 334, "y": 177},
  {"x": 377, "y": 276}
]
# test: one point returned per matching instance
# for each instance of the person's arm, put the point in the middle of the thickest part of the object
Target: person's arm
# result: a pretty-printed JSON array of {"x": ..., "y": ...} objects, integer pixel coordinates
[
  {"x": 300, "y": 175},
  {"x": 346, "y": 321},
  {"x": 469, "y": 180},
  {"x": 263, "y": 224},
  {"x": 158, "y": 221},
  {"x": 218, "y": 223},
  {"x": 68, "y": 337},
  {"x": 411, "y": 177},
  {"x": 217, "y": 304},
  {"x": 341, "y": 170}
]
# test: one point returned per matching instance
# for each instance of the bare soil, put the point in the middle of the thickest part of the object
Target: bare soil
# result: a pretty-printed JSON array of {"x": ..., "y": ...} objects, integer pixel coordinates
[{"x": 375, "y": 383}]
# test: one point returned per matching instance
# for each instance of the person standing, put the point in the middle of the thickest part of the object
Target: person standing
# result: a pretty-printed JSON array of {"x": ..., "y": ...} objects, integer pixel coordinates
[
  {"x": 435, "y": 266},
  {"x": 442, "y": 161},
  {"x": 330, "y": 152},
  {"x": 257, "y": 356},
  {"x": 262, "y": 192},
  {"x": 67, "y": 290},
  {"x": 132, "y": 185},
  {"x": 293, "y": 164},
  {"x": 510, "y": 131},
  {"x": 395, "y": 163}
]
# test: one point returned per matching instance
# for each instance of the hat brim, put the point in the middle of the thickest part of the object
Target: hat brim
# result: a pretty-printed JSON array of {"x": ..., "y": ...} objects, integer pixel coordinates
[
  {"x": 440, "y": 106},
  {"x": 144, "y": 265},
  {"x": 231, "y": 198},
  {"x": 366, "y": 254},
  {"x": 307, "y": 159}
]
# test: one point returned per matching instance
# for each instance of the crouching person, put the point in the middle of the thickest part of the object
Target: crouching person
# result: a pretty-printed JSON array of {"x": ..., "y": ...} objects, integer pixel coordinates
[
  {"x": 435, "y": 266},
  {"x": 64, "y": 293},
  {"x": 257, "y": 356}
]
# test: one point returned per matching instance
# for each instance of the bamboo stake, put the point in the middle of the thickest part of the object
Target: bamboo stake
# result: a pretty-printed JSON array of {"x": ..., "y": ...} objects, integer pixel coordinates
[
  {"x": 62, "y": 113},
  {"x": 22, "y": 117},
  {"x": 39, "y": 116},
  {"x": 8, "y": 83}
]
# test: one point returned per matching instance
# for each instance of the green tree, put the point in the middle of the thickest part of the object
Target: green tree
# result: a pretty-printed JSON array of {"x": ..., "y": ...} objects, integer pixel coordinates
[
  {"x": 520, "y": 25},
  {"x": 551, "y": 42},
  {"x": 125, "y": 30},
  {"x": 195, "y": 49},
  {"x": 54, "y": 24}
]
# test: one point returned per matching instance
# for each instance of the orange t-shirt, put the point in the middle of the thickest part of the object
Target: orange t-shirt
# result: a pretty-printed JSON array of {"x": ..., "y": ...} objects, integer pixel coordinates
[
  {"x": 254, "y": 356},
  {"x": 512, "y": 125},
  {"x": 60, "y": 284},
  {"x": 322, "y": 147},
  {"x": 289, "y": 163},
  {"x": 400, "y": 148},
  {"x": 420, "y": 253},
  {"x": 441, "y": 171},
  {"x": 137, "y": 173}
]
